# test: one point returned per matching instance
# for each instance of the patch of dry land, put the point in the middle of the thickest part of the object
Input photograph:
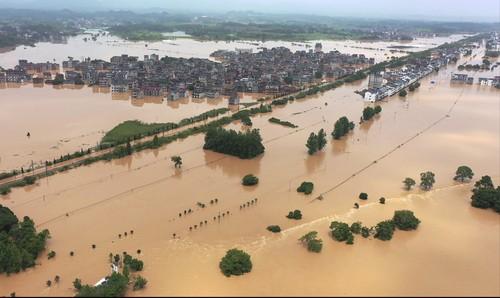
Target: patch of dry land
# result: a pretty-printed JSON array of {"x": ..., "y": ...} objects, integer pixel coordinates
[{"x": 454, "y": 251}]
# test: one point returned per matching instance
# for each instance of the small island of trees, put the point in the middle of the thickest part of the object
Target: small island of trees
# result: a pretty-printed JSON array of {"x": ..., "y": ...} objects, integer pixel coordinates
[
  {"x": 117, "y": 283},
  {"x": 306, "y": 187},
  {"x": 342, "y": 127},
  {"x": 250, "y": 180},
  {"x": 369, "y": 112},
  {"x": 235, "y": 262},
  {"x": 463, "y": 173},
  {"x": 316, "y": 142},
  {"x": 243, "y": 145},
  {"x": 296, "y": 214},
  {"x": 20, "y": 244}
]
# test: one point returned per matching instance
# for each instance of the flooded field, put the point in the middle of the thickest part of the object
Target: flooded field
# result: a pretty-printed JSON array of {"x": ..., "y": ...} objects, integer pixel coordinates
[
  {"x": 454, "y": 251},
  {"x": 64, "y": 120}
]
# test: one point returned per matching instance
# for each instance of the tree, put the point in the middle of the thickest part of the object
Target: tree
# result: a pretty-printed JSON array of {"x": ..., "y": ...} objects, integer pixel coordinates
[
  {"x": 77, "y": 284},
  {"x": 313, "y": 244},
  {"x": 409, "y": 183},
  {"x": 463, "y": 173},
  {"x": 405, "y": 220},
  {"x": 139, "y": 283},
  {"x": 368, "y": 113},
  {"x": 321, "y": 139},
  {"x": 306, "y": 187},
  {"x": 342, "y": 127},
  {"x": 384, "y": 230},
  {"x": 274, "y": 229},
  {"x": 133, "y": 263},
  {"x": 378, "y": 109},
  {"x": 177, "y": 160},
  {"x": 427, "y": 180},
  {"x": 51, "y": 254},
  {"x": 382, "y": 200},
  {"x": 356, "y": 227},
  {"x": 235, "y": 262},
  {"x": 312, "y": 144},
  {"x": 244, "y": 145},
  {"x": 340, "y": 231},
  {"x": 484, "y": 194},
  {"x": 363, "y": 196},
  {"x": 129, "y": 149},
  {"x": 296, "y": 214},
  {"x": 249, "y": 180},
  {"x": 403, "y": 93},
  {"x": 156, "y": 142},
  {"x": 365, "y": 232}
]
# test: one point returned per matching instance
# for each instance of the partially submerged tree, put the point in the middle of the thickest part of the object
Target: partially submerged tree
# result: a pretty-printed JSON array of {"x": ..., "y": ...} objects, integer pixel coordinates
[
  {"x": 409, "y": 183},
  {"x": 463, "y": 173},
  {"x": 405, "y": 220},
  {"x": 310, "y": 240},
  {"x": 177, "y": 160},
  {"x": 235, "y": 262},
  {"x": 427, "y": 180}
]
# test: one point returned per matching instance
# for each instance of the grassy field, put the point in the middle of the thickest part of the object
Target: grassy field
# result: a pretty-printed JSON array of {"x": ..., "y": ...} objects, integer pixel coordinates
[{"x": 134, "y": 129}]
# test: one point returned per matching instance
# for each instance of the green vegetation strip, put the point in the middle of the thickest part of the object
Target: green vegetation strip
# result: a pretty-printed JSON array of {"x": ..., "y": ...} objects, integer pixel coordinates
[{"x": 280, "y": 122}]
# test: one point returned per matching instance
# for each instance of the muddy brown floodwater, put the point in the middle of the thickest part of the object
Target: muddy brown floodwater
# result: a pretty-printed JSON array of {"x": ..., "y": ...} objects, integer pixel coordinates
[{"x": 455, "y": 251}]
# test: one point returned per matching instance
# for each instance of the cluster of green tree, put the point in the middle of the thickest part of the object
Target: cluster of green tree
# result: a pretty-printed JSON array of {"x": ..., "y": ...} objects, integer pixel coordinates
[
  {"x": 246, "y": 121},
  {"x": 369, "y": 112},
  {"x": 311, "y": 241},
  {"x": 20, "y": 244},
  {"x": 117, "y": 283},
  {"x": 306, "y": 187},
  {"x": 27, "y": 180},
  {"x": 249, "y": 180},
  {"x": 115, "y": 286},
  {"x": 427, "y": 180},
  {"x": 342, "y": 127},
  {"x": 281, "y": 122},
  {"x": 6, "y": 175},
  {"x": 355, "y": 77},
  {"x": 404, "y": 220},
  {"x": 282, "y": 101},
  {"x": 316, "y": 142},
  {"x": 203, "y": 116},
  {"x": 274, "y": 229},
  {"x": 296, "y": 214},
  {"x": 484, "y": 194},
  {"x": 244, "y": 145},
  {"x": 414, "y": 86},
  {"x": 235, "y": 262},
  {"x": 133, "y": 264}
]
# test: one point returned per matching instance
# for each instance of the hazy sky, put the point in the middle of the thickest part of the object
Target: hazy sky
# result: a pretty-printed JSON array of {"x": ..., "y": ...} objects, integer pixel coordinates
[{"x": 460, "y": 10}]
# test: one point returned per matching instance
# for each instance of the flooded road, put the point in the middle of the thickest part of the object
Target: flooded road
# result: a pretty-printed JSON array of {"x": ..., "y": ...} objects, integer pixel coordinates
[{"x": 454, "y": 251}]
